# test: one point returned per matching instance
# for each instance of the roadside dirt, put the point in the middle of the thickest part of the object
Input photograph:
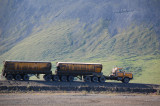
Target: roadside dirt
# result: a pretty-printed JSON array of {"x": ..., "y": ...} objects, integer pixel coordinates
[
  {"x": 76, "y": 86},
  {"x": 78, "y": 99},
  {"x": 77, "y": 93}
]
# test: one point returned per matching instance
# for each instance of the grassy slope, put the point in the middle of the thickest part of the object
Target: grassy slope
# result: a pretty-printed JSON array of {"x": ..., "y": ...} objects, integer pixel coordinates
[
  {"x": 127, "y": 49},
  {"x": 150, "y": 70},
  {"x": 46, "y": 43},
  {"x": 67, "y": 41}
]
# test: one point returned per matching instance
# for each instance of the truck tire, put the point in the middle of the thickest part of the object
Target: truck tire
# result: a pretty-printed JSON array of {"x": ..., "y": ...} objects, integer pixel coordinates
[
  {"x": 9, "y": 77},
  {"x": 55, "y": 78},
  {"x": 70, "y": 78},
  {"x": 18, "y": 77},
  {"x": 87, "y": 79},
  {"x": 126, "y": 80},
  {"x": 102, "y": 79},
  {"x": 64, "y": 78},
  {"x": 47, "y": 77},
  {"x": 26, "y": 78},
  {"x": 95, "y": 79},
  {"x": 44, "y": 76}
]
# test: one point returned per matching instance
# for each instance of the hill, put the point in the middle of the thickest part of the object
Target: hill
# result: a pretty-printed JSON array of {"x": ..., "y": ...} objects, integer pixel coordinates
[{"x": 122, "y": 33}]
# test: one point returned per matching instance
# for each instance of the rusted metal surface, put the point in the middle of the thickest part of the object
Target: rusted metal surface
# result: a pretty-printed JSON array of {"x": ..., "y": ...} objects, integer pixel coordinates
[
  {"x": 27, "y": 67},
  {"x": 78, "y": 68}
]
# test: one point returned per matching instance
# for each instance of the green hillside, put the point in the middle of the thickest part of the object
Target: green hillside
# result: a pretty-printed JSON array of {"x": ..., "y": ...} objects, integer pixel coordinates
[
  {"x": 127, "y": 49},
  {"x": 58, "y": 43},
  {"x": 124, "y": 34}
]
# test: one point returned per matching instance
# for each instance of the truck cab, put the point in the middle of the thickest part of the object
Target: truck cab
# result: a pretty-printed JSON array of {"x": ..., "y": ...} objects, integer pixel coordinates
[{"x": 119, "y": 74}]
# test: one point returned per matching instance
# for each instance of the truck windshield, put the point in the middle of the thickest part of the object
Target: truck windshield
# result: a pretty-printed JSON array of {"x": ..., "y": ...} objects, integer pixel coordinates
[{"x": 120, "y": 70}]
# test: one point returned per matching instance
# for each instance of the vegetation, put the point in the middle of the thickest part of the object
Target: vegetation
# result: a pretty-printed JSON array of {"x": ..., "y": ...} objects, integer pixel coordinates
[{"x": 81, "y": 31}]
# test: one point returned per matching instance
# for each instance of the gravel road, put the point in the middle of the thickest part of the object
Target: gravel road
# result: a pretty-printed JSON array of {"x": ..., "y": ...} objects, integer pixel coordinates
[
  {"x": 38, "y": 85},
  {"x": 77, "y": 93},
  {"x": 77, "y": 99},
  {"x": 74, "y": 84}
]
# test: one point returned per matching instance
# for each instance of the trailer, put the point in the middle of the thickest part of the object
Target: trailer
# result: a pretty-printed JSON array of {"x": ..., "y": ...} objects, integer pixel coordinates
[
  {"x": 66, "y": 71},
  {"x": 21, "y": 69}
]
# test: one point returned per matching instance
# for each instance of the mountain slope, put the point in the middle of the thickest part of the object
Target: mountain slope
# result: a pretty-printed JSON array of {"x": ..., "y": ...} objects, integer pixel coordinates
[
  {"x": 20, "y": 18},
  {"x": 58, "y": 42},
  {"x": 122, "y": 33}
]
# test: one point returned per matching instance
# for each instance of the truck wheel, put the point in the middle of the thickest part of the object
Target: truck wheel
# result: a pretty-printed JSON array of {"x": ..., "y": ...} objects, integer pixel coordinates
[
  {"x": 102, "y": 79},
  {"x": 55, "y": 78},
  {"x": 64, "y": 78},
  {"x": 18, "y": 77},
  {"x": 44, "y": 76},
  {"x": 70, "y": 78},
  {"x": 126, "y": 80},
  {"x": 25, "y": 77},
  {"x": 95, "y": 79},
  {"x": 47, "y": 77},
  {"x": 87, "y": 79},
  {"x": 9, "y": 77}
]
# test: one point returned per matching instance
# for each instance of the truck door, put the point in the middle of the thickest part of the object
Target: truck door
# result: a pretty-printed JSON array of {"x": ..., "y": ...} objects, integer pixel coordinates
[{"x": 119, "y": 74}]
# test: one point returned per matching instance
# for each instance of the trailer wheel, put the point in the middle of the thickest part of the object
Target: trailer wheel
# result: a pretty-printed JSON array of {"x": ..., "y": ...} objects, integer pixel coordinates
[
  {"x": 70, "y": 78},
  {"x": 47, "y": 77},
  {"x": 64, "y": 78},
  {"x": 25, "y": 77},
  {"x": 102, "y": 79},
  {"x": 126, "y": 80},
  {"x": 87, "y": 79},
  {"x": 9, "y": 77},
  {"x": 95, "y": 79},
  {"x": 55, "y": 78},
  {"x": 18, "y": 77}
]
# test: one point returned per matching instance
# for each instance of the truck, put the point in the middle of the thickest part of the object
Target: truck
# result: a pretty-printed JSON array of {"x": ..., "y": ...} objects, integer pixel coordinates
[
  {"x": 120, "y": 75},
  {"x": 65, "y": 71}
]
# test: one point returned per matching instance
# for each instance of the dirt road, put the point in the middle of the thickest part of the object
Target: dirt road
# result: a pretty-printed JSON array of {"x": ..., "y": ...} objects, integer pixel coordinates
[
  {"x": 77, "y": 99},
  {"x": 77, "y": 93},
  {"x": 34, "y": 85}
]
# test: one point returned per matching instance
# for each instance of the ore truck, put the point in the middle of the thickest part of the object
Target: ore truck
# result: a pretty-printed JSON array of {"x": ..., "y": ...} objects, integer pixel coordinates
[{"x": 65, "y": 71}]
